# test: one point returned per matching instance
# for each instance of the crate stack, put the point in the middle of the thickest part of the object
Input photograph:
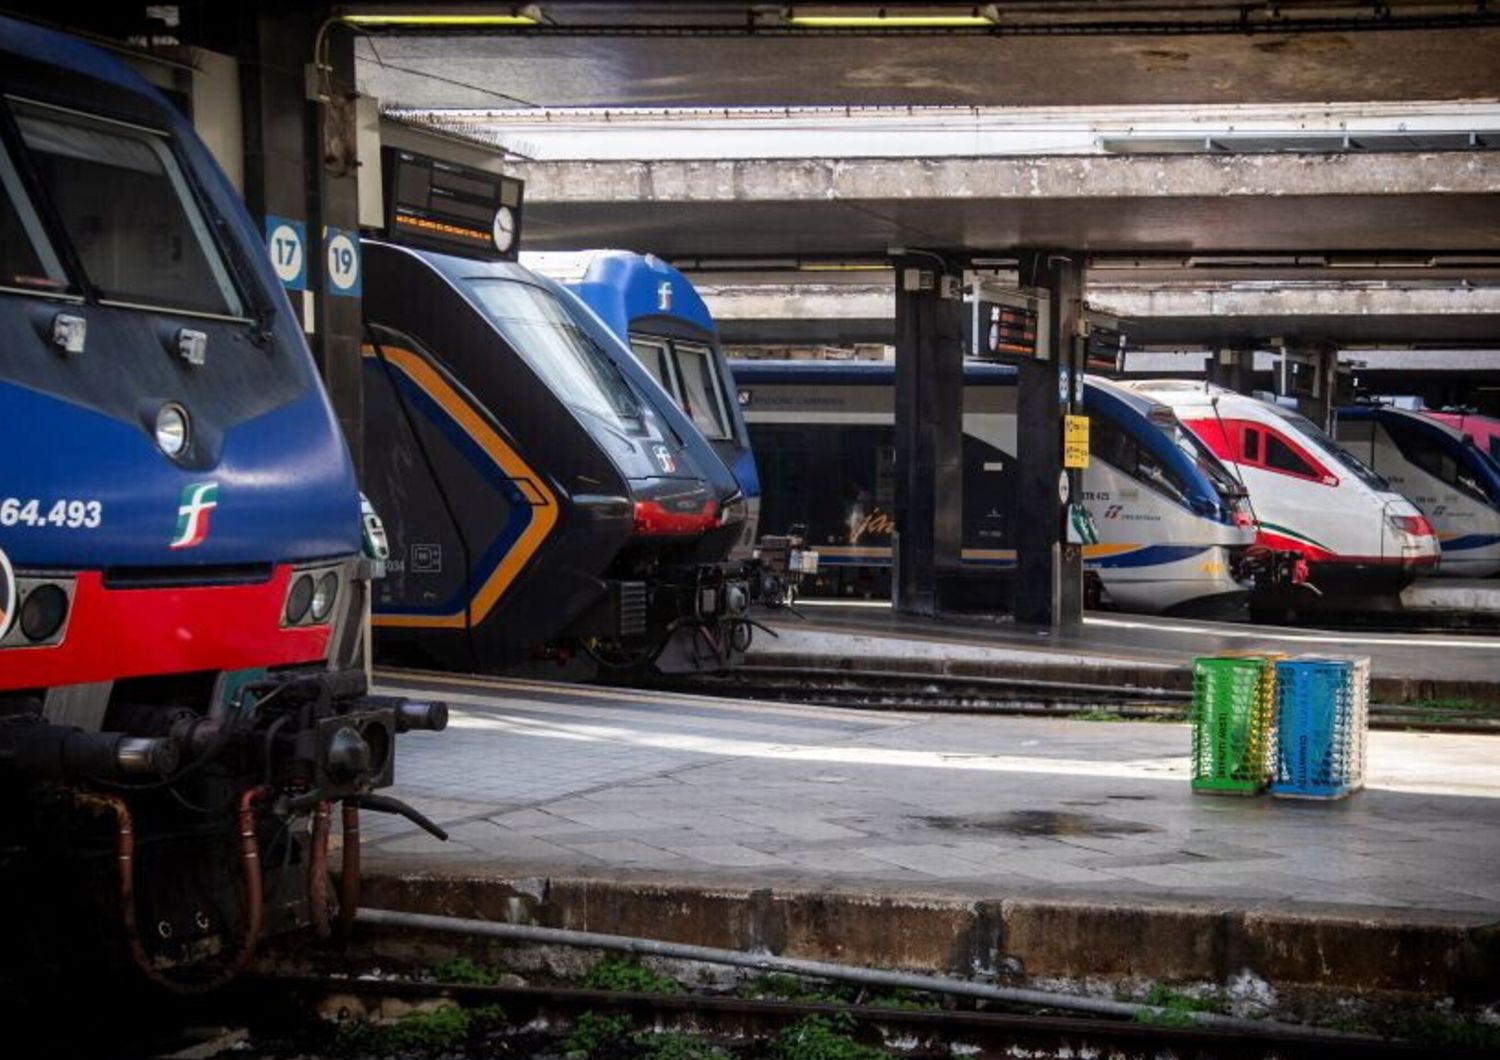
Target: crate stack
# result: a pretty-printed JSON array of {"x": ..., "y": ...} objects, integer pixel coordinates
[
  {"x": 1322, "y": 721},
  {"x": 1233, "y": 715}
]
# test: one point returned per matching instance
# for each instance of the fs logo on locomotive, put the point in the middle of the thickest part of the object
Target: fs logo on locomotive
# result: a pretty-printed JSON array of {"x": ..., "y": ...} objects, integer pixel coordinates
[
  {"x": 197, "y": 501},
  {"x": 8, "y": 594}
]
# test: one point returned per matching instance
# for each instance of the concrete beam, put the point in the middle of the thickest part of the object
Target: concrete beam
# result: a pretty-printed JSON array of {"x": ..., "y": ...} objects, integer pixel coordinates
[
  {"x": 1026, "y": 178},
  {"x": 1158, "y": 314}
]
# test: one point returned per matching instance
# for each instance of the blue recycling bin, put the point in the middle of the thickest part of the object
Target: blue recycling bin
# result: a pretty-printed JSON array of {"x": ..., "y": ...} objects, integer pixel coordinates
[{"x": 1322, "y": 721}]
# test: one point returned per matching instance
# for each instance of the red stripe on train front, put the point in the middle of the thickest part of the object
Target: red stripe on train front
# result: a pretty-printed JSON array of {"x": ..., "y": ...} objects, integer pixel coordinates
[
  {"x": 1282, "y": 543},
  {"x": 116, "y": 633}
]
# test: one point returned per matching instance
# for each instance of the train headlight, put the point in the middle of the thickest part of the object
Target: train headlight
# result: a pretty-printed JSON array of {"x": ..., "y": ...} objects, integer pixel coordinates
[
  {"x": 172, "y": 430},
  {"x": 43, "y": 612},
  {"x": 299, "y": 599},
  {"x": 324, "y": 595}
]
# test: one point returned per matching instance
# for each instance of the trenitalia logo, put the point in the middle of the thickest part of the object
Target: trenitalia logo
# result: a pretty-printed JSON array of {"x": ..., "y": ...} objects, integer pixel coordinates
[
  {"x": 198, "y": 499},
  {"x": 7, "y": 595}
]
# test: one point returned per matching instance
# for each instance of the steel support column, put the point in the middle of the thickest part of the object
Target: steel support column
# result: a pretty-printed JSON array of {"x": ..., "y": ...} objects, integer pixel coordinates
[
  {"x": 1049, "y": 569},
  {"x": 929, "y": 429}
]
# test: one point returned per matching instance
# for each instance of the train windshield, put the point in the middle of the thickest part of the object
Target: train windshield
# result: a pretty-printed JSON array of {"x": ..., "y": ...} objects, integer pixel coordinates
[
  {"x": 27, "y": 259},
  {"x": 1225, "y": 484},
  {"x": 1331, "y": 449},
  {"x": 537, "y": 326},
  {"x": 128, "y": 212}
]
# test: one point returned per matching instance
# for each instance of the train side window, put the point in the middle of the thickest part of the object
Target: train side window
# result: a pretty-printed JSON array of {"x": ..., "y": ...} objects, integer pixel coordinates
[
  {"x": 128, "y": 211},
  {"x": 701, "y": 391},
  {"x": 1252, "y": 445},
  {"x": 27, "y": 259},
  {"x": 1112, "y": 445},
  {"x": 1281, "y": 457}
]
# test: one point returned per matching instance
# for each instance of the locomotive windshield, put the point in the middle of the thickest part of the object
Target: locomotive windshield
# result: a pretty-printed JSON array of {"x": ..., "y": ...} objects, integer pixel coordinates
[
  {"x": 538, "y": 327},
  {"x": 128, "y": 212},
  {"x": 1331, "y": 449},
  {"x": 699, "y": 393},
  {"x": 26, "y": 258},
  {"x": 1225, "y": 484}
]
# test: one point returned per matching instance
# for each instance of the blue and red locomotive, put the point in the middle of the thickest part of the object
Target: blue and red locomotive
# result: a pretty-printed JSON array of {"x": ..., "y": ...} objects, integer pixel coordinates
[{"x": 183, "y": 695}]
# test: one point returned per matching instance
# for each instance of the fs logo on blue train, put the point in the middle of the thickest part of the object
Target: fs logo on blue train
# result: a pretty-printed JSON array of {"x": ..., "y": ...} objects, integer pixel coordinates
[
  {"x": 198, "y": 500},
  {"x": 664, "y": 459}
]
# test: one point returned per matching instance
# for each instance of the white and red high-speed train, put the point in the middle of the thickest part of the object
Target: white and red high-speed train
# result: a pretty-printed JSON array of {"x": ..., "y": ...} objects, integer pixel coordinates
[{"x": 1309, "y": 495}]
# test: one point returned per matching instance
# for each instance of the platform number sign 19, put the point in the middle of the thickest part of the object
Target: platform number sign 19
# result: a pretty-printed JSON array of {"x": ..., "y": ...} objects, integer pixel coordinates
[
  {"x": 286, "y": 242},
  {"x": 341, "y": 262}
]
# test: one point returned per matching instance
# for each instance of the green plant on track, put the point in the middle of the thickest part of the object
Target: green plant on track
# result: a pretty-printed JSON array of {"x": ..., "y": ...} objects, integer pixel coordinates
[
  {"x": 429, "y": 1033},
  {"x": 1176, "y": 1007},
  {"x": 592, "y": 1033},
  {"x": 614, "y": 973},
  {"x": 817, "y": 1038},
  {"x": 674, "y": 1046},
  {"x": 464, "y": 970}
]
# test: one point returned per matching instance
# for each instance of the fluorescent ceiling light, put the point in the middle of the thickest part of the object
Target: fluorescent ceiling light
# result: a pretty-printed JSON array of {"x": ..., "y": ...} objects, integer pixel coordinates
[
  {"x": 897, "y": 17},
  {"x": 528, "y": 15}
]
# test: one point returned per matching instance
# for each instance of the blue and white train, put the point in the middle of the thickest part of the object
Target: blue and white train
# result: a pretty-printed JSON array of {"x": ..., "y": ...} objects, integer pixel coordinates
[
  {"x": 1175, "y": 534},
  {"x": 1439, "y": 469},
  {"x": 656, "y": 309}
]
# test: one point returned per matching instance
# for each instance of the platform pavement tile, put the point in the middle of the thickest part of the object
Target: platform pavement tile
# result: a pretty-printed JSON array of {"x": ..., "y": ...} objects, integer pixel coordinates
[
  {"x": 846, "y": 863},
  {"x": 490, "y": 838},
  {"x": 725, "y": 855},
  {"x": 631, "y": 852},
  {"x": 797, "y": 826},
  {"x": 932, "y": 860},
  {"x": 706, "y": 822},
  {"x": 606, "y": 821},
  {"x": 1030, "y": 866}
]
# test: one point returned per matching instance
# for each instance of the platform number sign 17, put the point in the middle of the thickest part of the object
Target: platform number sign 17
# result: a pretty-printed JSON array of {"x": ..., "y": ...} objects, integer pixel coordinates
[{"x": 286, "y": 242}]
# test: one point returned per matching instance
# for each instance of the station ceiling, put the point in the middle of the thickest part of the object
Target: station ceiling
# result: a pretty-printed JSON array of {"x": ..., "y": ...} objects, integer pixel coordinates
[{"x": 1044, "y": 53}]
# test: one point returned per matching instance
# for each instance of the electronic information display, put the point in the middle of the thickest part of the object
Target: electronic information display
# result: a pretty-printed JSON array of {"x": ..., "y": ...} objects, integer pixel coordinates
[{"x": 452, "y": 208}]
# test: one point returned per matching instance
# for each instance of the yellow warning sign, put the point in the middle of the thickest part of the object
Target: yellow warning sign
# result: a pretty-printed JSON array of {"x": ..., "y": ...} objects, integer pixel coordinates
[{"x": 1075, "y": 441}]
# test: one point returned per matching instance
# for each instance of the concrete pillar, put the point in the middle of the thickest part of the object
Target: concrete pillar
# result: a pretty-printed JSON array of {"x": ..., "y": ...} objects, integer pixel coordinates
[
  {"x": 300, "y": 164},
  {"x": 929, "y": 429},
  {"x": 1233, "y": 368},
  {"x": 1307, "y": 370},
  {"x": 1049, "y": 570}
]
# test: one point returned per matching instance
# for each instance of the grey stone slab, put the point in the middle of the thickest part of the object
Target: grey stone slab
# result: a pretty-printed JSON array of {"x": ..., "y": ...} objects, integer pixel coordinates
[{"x": 727, "y": 855}]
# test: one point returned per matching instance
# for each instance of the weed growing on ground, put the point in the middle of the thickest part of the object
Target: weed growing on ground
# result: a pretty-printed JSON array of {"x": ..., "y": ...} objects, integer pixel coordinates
[
  {"x": 463, "y": 970},
  {"x": 817, "y": 1038},
  {"x": 779, "y": 986},
  {"x": 441, "y": 1030},
  {"x": 1176, "y": 1007},
  {"x": 1449, "y": 705},
  {"x": 592, "y": 1033},
  {"x": 673, "y": 1046},
  {"x": 1098, "y": 715},
  {"x": 614, "y": 973}
]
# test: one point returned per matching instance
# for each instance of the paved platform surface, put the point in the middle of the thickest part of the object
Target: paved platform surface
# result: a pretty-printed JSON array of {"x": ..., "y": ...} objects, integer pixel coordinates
[
  {"x": 553, "y": 779},
  {"x": 1108, "y": 640}
]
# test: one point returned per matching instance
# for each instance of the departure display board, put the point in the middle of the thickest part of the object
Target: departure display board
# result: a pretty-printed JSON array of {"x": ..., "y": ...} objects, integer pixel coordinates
[
  {"x": 452, "y": 208},
  {"x": 1007, "y": 325}
]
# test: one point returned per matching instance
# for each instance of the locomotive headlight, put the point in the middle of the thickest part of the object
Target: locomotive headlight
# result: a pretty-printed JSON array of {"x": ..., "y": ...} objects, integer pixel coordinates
[
  {"x": 43, "y": 612},
  {"x": 324, "y": 596},
  {"x": 299, "y": 599},
  {"x": 172, "y": 430}
]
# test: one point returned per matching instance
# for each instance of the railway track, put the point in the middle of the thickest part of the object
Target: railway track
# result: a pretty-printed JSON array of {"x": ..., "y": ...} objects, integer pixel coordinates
[
  {"x": 941, "y": 693},
  {"x": 919, "y": 1032}
]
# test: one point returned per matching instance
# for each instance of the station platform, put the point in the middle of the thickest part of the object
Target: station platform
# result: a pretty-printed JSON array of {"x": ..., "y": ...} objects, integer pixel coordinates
[
  {"x": 1009, "y": 847},
  {"x": 1140, "y": 651}
]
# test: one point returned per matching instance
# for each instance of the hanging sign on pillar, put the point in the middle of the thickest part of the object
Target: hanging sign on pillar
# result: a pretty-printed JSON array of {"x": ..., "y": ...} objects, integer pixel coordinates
[
  {"x": 1075, "y": 441},
  {"x": 341, "y": 263},
  {"x": 286, "y": 241}
]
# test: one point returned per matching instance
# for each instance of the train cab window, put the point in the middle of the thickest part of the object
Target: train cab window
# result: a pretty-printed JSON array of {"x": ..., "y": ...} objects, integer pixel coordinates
[
  {"x": 1252, "y": 445},
  {"x": 658, "y": 361},
  {"x": 128, "y": 212},
  {"x": 27, "y": 259},
  {"x": 1281, "y": 457},
  {"x": 703, "y": 397},
  {"x": 1109, "y": 442},
  {"x": 536, "y": 326}
]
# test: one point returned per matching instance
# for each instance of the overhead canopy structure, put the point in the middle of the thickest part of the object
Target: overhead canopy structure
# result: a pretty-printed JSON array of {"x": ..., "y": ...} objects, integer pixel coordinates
[{"x": 735, "y": 53}]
